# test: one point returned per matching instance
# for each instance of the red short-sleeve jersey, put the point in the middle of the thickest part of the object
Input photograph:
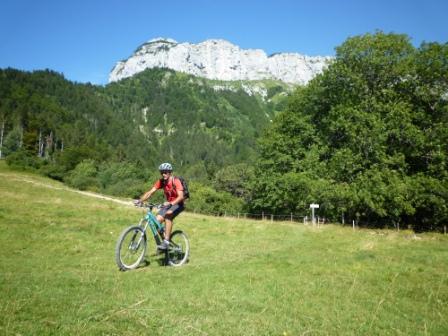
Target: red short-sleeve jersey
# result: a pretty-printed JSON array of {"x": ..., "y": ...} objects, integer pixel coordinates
[{"x": 169, "y": 190}]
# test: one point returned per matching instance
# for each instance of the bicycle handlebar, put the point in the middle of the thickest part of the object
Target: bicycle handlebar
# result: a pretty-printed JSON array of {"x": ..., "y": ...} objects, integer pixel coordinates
[{"x": 148, "y": 205}]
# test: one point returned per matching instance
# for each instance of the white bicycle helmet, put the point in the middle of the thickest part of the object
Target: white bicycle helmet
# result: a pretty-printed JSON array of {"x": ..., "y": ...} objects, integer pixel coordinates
[{"x": 165, "y": 167}]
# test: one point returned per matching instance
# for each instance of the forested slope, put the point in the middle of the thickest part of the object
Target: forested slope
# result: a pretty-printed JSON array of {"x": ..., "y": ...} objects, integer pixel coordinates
[{"x": 113, "y": 138}]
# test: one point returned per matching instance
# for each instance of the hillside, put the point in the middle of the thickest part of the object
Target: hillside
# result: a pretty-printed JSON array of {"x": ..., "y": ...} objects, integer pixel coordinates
[
  {"x": 158, "y": 115},
  {"x": 366, "y": 139},
  {"x": 244, "y": 277},
  {"x": 189, "y": 120}
]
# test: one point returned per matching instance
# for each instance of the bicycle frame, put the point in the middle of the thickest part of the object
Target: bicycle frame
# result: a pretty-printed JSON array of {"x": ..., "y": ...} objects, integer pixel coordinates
[{"x": 153, "y": 224}]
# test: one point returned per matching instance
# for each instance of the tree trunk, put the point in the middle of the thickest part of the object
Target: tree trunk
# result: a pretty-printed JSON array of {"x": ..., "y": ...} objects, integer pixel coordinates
[
  {"x": 49, "y": 144},
  {"x": 1, "y": 138},
  {"x": 41, "y": 144},
  {"x": 21, "y": 137}
]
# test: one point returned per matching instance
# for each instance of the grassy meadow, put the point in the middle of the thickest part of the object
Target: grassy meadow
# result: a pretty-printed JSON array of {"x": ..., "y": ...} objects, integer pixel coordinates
[{"x": 58, "y": 275}]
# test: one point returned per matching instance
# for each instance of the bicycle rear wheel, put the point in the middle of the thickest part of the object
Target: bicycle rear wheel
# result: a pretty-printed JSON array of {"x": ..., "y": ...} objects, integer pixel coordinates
[
  {"x": 130, "y": 248},
  {"x": 179, "y": 249}
]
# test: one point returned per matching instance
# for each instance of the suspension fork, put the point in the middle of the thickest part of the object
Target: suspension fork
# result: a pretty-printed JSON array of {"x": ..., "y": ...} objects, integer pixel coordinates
[{"x": 144, "y": 227}]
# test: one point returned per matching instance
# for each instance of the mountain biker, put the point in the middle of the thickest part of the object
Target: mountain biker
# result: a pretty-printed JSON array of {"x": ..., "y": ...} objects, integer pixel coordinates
[{"x": 174, "y": 205}]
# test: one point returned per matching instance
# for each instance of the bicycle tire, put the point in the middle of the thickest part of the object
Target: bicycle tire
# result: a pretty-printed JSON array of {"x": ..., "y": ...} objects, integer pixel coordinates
[
  {"x": 179, "y": 249},
  {"x": 129, "y": 254}
]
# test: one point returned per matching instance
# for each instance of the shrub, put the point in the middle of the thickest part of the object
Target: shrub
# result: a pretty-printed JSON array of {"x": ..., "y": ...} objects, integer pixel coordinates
[
  {"x": 84, "y": 176},
  {"x": 23, "y": 159},
  {"x": 205, "y": 199}
]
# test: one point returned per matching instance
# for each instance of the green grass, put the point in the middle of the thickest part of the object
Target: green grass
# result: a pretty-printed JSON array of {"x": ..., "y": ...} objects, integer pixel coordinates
[{"x": 58, "y": 275}]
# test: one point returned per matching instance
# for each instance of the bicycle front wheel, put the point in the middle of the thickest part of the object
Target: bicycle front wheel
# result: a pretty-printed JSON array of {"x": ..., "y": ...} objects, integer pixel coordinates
[
  {"x": 131, "y": 248},
  {"x": 179, "y": 249}
]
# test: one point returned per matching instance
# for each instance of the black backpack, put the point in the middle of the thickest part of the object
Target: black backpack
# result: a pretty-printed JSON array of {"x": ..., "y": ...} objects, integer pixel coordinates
[{"x": 184, "y": 185}]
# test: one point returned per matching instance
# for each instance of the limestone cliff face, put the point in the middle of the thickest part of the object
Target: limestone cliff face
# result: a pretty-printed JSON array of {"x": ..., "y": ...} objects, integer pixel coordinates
[{"x": 221, "y": 60}]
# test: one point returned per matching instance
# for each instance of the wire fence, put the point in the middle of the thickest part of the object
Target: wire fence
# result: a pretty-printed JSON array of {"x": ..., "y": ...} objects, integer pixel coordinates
[
  {"x": 317, "y": 221},
  {"x": 291, "y": 217},
  {"x": 398, "y": 227}
]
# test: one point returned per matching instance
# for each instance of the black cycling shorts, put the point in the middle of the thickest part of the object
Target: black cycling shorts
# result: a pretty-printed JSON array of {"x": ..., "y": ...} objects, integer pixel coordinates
[{"x": 175, "y": 209}]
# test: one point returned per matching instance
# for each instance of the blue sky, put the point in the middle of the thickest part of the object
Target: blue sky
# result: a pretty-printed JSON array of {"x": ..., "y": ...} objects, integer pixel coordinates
[{"x": 83, "y": 39}]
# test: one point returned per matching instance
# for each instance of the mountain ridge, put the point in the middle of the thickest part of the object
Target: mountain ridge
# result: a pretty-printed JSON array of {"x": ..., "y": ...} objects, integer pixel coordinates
[{"x": 219, "y": 59}]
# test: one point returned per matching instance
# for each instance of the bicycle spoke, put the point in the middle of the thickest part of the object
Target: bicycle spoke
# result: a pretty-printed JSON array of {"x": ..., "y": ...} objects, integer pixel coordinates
[
  {"x": 131, "y": 248},
  {"x": 179, "y": 249}
]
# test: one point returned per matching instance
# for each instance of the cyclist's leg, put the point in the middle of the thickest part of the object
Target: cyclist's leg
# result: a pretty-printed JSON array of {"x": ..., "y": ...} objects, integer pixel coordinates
[
  {"x": 167, "y": 216},
  {"x": 168, "y": 225},
  {"x": 170, "y": 215},
  {"x": 161, "y": 220}
]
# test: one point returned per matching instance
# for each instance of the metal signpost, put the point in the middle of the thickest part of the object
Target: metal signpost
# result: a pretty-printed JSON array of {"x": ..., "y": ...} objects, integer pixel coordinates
[{"x": 313, "y": 206}]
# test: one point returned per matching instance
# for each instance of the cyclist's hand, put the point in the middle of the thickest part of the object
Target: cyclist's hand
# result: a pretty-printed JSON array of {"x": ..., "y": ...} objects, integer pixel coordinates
[
  {"x": 138, "y": 203},
  {"x": 167, "y": 205}
]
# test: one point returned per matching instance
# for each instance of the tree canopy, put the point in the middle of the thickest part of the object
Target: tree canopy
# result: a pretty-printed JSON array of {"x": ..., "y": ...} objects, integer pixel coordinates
[{"x": 367, "y": 139}]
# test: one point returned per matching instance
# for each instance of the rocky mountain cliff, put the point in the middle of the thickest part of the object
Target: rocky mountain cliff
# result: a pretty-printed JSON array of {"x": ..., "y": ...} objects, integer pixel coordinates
[{"x": 220, "y": 60}]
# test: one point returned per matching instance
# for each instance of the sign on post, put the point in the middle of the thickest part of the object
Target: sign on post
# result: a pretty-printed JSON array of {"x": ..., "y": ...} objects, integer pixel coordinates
[{"x": 313, "y": 206}]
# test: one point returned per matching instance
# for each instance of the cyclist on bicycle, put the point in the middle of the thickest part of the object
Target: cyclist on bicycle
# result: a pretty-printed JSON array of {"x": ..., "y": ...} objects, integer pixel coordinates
[{"x": 174, "y": 205}]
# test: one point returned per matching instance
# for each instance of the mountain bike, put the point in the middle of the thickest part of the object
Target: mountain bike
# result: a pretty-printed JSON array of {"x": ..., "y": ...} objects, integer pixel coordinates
[{"x": 132, "y": 243}]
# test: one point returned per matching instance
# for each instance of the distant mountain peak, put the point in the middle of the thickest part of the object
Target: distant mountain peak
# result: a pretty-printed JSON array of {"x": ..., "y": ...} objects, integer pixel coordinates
[
  {"x": 220, "y": 60},
  {"x": 162, "y": 39}
]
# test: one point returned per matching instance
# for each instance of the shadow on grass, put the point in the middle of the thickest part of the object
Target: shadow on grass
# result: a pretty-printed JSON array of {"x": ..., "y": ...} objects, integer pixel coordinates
[{"x": 161, "y": 258}]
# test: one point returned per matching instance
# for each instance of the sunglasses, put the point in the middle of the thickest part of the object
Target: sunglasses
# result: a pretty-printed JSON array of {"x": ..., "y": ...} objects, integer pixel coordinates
[{"x": 164, "y": 172}]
